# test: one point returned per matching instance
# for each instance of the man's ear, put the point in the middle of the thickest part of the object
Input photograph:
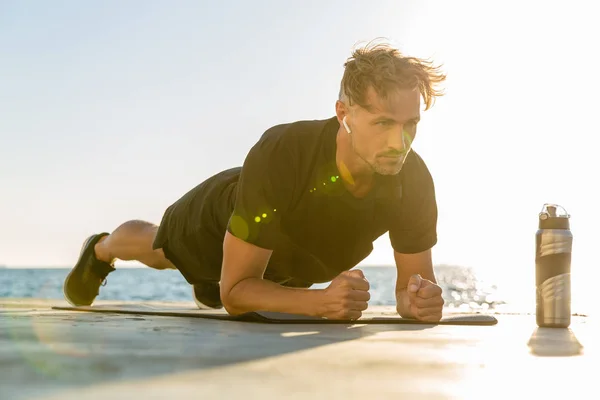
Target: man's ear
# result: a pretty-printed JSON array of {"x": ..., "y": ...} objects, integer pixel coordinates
[{"x": 342, "y": 111}]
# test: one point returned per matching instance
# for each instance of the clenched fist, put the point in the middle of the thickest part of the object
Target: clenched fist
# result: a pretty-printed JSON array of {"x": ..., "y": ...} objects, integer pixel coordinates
[
  {"x": 422, "y": 300},
  {"x": 346, "y": 296}
]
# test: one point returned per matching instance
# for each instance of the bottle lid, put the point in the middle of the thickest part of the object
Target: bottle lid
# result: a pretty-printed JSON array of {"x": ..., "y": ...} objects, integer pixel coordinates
[{"x": 553, "y": 216}]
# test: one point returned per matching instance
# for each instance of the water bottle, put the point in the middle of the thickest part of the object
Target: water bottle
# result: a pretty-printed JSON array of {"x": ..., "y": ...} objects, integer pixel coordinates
[{"x": 553, "y": 242}]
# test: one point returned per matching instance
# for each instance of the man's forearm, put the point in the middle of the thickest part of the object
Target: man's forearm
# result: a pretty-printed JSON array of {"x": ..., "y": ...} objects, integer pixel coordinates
[{"x": 255, "y": 294}]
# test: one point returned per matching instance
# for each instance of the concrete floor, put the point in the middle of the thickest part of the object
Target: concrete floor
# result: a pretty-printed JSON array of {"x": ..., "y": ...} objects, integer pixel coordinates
[{"x": 50, "y": 354}]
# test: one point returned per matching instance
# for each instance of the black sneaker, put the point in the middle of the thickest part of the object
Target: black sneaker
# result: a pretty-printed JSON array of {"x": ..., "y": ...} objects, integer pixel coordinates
[
  {"x": 82, "y": 285},
  {"x": 207, "y": 295}
]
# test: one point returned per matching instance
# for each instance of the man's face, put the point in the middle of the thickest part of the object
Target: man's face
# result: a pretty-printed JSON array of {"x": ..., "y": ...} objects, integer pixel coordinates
[{"x": 382, "y": 133}]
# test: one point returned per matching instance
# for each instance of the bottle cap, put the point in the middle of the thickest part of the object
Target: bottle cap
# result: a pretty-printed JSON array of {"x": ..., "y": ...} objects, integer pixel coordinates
[{"x": 553, "y": 216}]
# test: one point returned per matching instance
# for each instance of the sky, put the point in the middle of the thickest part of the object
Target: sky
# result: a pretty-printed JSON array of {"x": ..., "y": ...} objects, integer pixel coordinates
[{"x": 110, "y": 111}]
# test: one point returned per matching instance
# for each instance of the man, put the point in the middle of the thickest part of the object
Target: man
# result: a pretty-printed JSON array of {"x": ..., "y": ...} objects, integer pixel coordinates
[{"x": 305, "y": 208}]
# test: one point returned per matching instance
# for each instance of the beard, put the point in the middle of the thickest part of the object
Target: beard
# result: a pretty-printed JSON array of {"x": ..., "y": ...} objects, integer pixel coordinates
[{"x": 388, "y": 165}]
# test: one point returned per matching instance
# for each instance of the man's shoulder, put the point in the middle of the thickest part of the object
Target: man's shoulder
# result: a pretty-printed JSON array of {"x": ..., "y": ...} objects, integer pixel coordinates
[
  {"x": 415, "y": 165},
  {"x": 415, "y": 176},
  {"x": 288, "y": 149},
  {"x": 296, "y": 134}
]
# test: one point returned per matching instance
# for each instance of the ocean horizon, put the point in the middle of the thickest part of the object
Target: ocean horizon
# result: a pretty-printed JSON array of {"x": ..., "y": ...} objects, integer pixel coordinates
[{"x": 462, "y": 288}]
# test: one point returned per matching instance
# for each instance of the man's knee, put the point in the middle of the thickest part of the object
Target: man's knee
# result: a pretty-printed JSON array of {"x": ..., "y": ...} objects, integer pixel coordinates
[{"x": 157, "y": 260}]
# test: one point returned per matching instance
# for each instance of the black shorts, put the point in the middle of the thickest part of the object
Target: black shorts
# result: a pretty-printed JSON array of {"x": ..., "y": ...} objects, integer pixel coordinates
[{"x": 192, "y": 230}]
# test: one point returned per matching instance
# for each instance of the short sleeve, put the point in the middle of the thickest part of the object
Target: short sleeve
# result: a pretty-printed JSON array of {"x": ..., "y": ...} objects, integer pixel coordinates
[
  {"x": 263, "y": 193},
  {"x": 414, "y": 222}
]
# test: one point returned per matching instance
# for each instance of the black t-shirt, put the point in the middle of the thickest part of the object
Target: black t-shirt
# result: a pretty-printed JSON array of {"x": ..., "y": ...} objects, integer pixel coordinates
[{"x": 290, "y": 198}]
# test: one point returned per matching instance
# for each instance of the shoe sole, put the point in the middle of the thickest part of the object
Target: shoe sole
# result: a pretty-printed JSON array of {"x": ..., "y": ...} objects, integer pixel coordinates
[{"x": 83, "y": 247}]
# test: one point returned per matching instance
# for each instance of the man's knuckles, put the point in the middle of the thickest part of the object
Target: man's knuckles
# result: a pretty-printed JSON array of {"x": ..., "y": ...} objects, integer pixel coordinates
[
  {"x": 428, "y": 302},
  {"x": 428, "y": 293},
  {"x": 357, "y": 273},
  {"x": 428, "y": 314},
  {"x": 360, "y": 295},
  {"x": 356, "y": 283}
]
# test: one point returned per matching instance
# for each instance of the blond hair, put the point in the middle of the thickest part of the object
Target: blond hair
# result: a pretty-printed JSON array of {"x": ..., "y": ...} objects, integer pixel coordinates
[{"x": 386, "y": 69}]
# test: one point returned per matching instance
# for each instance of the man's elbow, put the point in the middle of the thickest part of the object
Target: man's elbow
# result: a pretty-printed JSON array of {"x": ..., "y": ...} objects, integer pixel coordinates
[
  {"x": 232, "y": 310},
  {"x": 232, "y": 300},
  {"x": 228, "y": 302}
]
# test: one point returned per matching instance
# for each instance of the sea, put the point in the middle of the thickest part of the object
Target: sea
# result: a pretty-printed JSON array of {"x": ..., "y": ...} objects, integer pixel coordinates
[{"x": 461, "y": 287}]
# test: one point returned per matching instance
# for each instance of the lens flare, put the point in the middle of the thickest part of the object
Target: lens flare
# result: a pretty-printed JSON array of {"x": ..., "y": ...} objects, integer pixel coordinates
[
  {"x": 44, "y": 340},
  {"x": 239, "y": 227}
]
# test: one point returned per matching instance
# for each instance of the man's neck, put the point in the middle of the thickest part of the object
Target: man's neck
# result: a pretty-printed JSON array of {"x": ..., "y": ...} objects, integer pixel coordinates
[{"x": 356, "y": 174}]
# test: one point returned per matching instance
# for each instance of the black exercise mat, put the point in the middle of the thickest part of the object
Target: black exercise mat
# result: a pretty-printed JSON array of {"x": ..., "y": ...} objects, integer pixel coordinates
[{"x": 373, "y": 317}]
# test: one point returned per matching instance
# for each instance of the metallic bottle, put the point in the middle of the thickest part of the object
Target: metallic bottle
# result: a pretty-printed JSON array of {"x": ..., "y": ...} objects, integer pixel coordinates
[{"x": 553, "y": 244}]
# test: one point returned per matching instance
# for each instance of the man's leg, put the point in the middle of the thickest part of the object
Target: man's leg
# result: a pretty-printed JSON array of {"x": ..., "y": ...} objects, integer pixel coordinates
[{"x": 132, "y": 241}]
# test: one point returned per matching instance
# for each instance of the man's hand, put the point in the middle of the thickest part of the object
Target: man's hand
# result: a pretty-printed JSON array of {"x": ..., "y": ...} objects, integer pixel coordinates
[
  {"x": 346, "y": 296},
  {"x": 422, "y": 300}
]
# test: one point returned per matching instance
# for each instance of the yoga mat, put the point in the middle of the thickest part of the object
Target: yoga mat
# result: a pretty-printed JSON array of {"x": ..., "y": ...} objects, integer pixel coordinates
[{"x": 277, "y": 318}]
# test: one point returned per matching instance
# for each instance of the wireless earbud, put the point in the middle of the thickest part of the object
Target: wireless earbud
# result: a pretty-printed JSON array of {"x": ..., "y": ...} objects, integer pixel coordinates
[{"x": 346, "y": 125}]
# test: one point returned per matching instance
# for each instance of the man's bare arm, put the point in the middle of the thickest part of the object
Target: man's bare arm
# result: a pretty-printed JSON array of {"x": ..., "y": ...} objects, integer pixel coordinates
[
  {"x": 243, "y": 288},
  {"x": 411, "y": 264},
  {"x": 425, "y": 301}
]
